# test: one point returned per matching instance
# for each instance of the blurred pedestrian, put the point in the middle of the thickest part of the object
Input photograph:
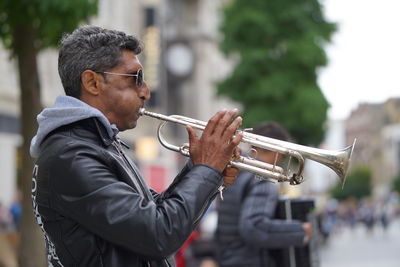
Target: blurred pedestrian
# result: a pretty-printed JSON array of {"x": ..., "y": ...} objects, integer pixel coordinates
[
  {"x": 247, "y": 229},
  {"x": 5, "y": 219},
  {"x": 7, "y": 252},
  {"x": 351, "y": 206},
  {"x": 330, "y": 217},
  {"x": 383, "y": 213},
  {"x": 16, "y": 211},
  {"x": 367, "y": 214}
]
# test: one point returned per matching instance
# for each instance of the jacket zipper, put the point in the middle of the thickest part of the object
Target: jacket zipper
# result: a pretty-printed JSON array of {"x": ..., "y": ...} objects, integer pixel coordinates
[{"x": 116, "y": 144}]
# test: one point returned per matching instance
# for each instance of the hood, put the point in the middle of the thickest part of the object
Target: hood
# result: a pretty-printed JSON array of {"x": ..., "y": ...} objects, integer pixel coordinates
[{"x": 66, "y": 110}]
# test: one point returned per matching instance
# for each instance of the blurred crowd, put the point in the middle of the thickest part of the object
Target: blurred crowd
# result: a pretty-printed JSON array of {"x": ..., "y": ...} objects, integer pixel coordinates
[{"x": 372, "y": 214}]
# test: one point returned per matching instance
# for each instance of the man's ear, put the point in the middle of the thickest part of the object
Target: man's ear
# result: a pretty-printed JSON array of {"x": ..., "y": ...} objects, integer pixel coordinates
[{"x": 90, "y": 82}]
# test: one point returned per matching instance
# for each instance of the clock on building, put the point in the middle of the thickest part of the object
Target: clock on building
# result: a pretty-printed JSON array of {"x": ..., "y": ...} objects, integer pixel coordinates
[{"x": 179, "y": 59}]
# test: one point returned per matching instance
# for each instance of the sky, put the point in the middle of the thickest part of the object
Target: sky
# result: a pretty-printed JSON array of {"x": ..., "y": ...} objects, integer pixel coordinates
[{"x": 364, "y": 55}]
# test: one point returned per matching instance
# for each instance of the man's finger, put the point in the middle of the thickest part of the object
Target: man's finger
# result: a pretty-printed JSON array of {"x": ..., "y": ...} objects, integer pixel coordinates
[
  {"x": 225, "y": 121},
  {"x": 192, "y": 134},
  {"x": 228, "y": 180},
  {"x": 213, "y": 122},
  {"x": 232, "y": 129},
  {"x": 231, "y": 171},
  {"x": 236, "y": 153},
  {"x": 235, "y": 141}
]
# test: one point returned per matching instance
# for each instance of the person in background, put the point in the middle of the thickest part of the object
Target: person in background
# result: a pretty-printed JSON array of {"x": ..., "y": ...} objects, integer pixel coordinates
[
  {"x": 246, "y": 227},
  {"x": 8, "y": 256},
  {"x": 89, "y": 198},
  {"x": 16, "y": 211}
]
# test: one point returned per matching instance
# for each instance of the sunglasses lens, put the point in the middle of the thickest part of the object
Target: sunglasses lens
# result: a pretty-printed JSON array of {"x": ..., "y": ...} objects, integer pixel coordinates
[{"x": 139, "y": 78}]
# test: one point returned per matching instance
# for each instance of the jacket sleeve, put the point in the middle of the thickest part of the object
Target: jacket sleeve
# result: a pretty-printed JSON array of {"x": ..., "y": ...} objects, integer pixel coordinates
[
  {"x": 87, "y": 191},
  {"x": 257, "y": 225}
]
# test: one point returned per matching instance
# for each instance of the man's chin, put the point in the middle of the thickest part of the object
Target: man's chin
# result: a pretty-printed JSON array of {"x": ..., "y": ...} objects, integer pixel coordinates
[
  {"x": 132, "y": 125},
  {"x": 128, "y": 126}
]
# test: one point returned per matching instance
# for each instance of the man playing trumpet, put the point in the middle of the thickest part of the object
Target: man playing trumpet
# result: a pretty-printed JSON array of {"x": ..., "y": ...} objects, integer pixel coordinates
[{"x": 89, "y": 198}]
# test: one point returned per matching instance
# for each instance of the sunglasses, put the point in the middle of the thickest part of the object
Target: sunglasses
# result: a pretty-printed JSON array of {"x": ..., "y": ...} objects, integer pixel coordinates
[{"x": 139, "y": 76}]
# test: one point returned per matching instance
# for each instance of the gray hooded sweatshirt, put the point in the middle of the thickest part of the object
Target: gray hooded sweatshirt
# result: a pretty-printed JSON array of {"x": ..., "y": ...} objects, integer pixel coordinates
[{"x": 66, "y": 110}]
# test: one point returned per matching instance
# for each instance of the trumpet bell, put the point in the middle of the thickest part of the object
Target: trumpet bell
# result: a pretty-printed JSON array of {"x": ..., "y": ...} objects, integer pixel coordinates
[{"x": 340, "y": 162}]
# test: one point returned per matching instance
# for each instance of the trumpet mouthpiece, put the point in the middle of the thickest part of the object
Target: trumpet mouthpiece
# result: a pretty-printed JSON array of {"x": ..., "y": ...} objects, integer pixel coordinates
[{"x": 141, "y": 111}]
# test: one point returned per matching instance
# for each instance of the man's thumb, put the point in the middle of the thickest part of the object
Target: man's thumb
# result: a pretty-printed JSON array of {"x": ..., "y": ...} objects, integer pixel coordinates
[{"x": 192, "y": 134}]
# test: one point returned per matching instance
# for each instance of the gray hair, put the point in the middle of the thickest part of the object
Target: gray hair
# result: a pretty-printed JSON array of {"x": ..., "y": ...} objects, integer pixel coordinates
[{"x": 91, "y": 48}]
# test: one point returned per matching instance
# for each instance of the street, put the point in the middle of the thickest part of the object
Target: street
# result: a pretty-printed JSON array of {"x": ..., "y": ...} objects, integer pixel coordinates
[{"x": 357, "y": 248}]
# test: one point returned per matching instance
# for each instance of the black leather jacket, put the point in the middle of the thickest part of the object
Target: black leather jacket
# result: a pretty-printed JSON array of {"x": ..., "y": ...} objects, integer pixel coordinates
[{"x": 96, "y": 210}]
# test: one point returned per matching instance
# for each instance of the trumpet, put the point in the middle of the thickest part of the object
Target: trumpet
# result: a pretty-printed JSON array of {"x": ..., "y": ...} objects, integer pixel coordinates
[{"x": 337, "y": 160}]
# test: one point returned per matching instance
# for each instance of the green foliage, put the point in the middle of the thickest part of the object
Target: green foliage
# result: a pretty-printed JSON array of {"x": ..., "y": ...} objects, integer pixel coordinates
[
  {"x": 279, "y": 43},
  {"x": 396, "y": 184},
  {"x": 358, "y": 185},
  {"x": 49, "y": 18}
]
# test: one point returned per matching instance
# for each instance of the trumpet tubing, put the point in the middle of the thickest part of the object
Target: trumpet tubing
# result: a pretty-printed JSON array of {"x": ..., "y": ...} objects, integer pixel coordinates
[{"x": 337, "y": 160}]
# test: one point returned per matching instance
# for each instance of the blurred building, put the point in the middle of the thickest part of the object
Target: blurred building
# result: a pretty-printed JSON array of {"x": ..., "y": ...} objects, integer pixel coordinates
[
  {"x": 182, "y": 65},
  {"x": 377, "y": 129}
]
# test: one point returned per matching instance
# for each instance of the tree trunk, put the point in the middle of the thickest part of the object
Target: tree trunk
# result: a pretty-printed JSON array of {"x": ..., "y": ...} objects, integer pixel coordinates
[{"x": 31, "y": 246}]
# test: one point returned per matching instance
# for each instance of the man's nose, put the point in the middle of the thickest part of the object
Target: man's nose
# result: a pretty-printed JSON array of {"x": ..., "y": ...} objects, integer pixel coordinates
[{"x": 145, "y": 91}]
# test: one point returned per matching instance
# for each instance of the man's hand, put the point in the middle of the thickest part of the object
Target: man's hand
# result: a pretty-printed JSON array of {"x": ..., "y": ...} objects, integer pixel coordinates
[
  {"x": 308, "y": 229},
  {"x": 218, "y": 141},
  {"x": 230, "y": 175}
]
